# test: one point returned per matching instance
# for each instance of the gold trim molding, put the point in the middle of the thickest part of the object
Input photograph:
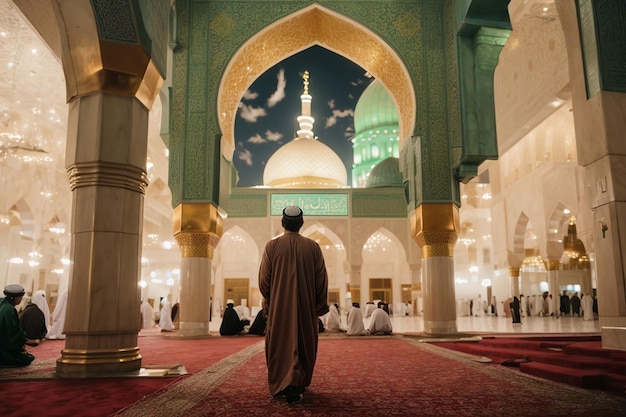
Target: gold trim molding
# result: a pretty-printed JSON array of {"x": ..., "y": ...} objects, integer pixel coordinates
[
  {"x": 198, "y": 228},
  {"x": 553, "y": 264},
  {"x": 435, "y": 228},
  {"x": 514, "y": 272},
  {"x": 123, "y": 69},
  {"x": 107, "y": 174}
]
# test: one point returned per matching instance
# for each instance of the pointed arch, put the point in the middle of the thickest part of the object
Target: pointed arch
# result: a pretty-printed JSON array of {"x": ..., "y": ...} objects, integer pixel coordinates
[
  {"x": 382, "y": 241},
  {"x": 518, "y": 235},
  {"x": 313, "y": 25},
  {"x": 234, "y": 242},
  {"x": 557, "y": 228}
]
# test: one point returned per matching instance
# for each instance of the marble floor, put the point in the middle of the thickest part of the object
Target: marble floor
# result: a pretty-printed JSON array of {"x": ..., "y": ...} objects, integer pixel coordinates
[
  {"x": 490, "y": 324},
  {"x": 504, "y": 325}
]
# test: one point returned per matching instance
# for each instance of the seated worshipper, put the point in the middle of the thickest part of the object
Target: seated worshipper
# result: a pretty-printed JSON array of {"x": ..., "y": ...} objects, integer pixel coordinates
[
  {"x": 258, "y": 325},
  {"x": 231, "y": 325},
  {"x": 380, "y": 323},
  {"x": 33, "y": 321},
  {"x": 165, "y": 321},
  {"x": 369, "y": 309},
  {"x": 39, "y": 298},
  {"x": 147, "y": 314},
  {"x": 243, "y": 312},
  {"x": 355, "y": 321},
  {"x": 58, "y": 318},
  {"x": 320, "y": 325},
  {"x": 333, "y": 321},
  {"x": 12, "y": 338}
]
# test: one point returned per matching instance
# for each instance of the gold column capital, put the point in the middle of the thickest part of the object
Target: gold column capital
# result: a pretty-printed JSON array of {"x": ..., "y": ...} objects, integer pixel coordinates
[
  {"x": 198, "y": 228},
  {"x": 435, "y": 228},
  {"x": 514, "y": 272},
  {"x": 553, "y": 264}
]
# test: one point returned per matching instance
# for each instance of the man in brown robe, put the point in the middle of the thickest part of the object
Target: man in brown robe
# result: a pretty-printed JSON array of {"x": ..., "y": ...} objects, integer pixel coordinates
[{"x": 294, "y": 283}]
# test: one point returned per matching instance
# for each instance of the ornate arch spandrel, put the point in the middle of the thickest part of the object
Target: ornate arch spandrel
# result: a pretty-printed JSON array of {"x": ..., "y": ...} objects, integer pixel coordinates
[{"x": 313, "y": 25}]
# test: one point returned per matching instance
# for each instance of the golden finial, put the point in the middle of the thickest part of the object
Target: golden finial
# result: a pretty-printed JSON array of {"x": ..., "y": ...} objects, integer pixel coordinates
[{"x": 305, "y": 77}]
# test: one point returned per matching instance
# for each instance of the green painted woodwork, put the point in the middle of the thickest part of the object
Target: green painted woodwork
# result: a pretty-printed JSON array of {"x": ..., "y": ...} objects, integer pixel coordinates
[
  {"x": 422, "y": 33},
  {"x": 603, "y": 35},
  {"x": 484, "y": 28},
  {"x": 311, "y": 203}
]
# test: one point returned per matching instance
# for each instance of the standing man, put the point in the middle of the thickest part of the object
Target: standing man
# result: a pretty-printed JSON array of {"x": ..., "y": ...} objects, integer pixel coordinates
[
  {"x": 294, "y": 284},
  {"x": 12, "y": 338},
  {"x": 564, "y": 310}
]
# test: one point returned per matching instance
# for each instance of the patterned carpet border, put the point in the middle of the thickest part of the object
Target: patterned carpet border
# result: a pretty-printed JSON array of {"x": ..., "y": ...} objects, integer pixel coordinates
[
  {"x": 36, "y": 371},
  {"x": 181, "y": 397}
]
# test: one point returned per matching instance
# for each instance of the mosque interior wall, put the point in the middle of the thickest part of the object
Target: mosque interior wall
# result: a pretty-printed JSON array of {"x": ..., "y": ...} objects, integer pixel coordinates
[{"x": 536, "y": 174}]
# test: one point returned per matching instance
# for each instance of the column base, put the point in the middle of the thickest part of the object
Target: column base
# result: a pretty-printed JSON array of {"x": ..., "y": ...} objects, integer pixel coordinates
[
  {"x": 440, "y": 328},
  {"x": 193, "y": 329},
  {"x": 614, "y": 338},
  {"x": 79, "y": 363}
]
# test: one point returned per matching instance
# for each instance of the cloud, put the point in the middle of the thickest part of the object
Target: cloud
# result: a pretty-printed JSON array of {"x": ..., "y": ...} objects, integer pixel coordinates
[
  {"x": 249, "y": 95},
  {"x": 245, "y": 155},
  {"x": 273, "y": 136},
  {"x": 331, "y": 103},
  {"x": 250, "y": 113},
  {"x": 279, "y": 94},
  {"x": 256, "y": 139},
  {"x": 338, "y": 114}
]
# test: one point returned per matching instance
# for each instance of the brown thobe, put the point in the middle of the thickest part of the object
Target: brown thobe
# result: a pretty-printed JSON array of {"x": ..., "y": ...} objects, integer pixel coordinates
[{"x": 294, "y": 283}]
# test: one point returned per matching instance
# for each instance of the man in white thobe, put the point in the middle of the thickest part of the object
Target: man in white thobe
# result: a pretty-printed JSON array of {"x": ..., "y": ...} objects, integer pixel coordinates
[
  {"x": 587, "y": 303},
  {"x": 355, "y": 321},
  {"x": 379, "y": 322}
]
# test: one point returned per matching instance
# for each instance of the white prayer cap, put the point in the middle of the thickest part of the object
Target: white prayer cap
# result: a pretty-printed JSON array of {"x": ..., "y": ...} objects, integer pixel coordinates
[{"x": 292, "y": 212}]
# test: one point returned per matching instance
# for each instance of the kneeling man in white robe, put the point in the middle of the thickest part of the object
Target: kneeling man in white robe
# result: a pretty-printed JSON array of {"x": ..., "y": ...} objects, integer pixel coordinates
[
  {"x": 355, "y": 321},
  {"x": 380, "y": 323}
]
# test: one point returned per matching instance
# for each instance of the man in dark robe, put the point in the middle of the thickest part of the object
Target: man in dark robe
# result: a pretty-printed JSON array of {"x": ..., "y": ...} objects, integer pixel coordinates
[
  {"x": 259, "y": 324},
  {"x": 515, "y": 310},
  {"x": 12, "y": 338},
  {"x": 231, "y": 323},
  {"x": 575, "y": 303},
  {"x": 294, "y": 283},
  {"x": 564, "y": 304},
  {"x": 33, "y": 321}
]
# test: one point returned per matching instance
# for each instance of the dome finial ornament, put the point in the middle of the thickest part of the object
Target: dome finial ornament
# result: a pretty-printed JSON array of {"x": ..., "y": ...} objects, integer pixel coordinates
[{"x": 305, "y": 77}]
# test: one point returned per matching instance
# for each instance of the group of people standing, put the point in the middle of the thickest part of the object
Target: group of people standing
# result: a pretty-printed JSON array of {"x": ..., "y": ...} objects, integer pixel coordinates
[
  {"x": 585, "y": 305},
  {"x": 26, "y": 321}
]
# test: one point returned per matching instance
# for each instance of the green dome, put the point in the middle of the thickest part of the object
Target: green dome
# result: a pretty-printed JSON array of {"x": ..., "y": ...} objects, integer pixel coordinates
[
  {"x": 385, "y": 174},
  {"x": 375, "y": 109}
]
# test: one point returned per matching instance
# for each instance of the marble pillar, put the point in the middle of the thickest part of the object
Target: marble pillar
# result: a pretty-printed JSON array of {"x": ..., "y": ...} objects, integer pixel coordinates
[
  {"x": 198, "y": 228},
  {"x": 552, "y": 269},
  {"x": 105, "y": 159},
  {"x": 596, "y": 67},
  {"x": 355, "y": 284},
  {"x": 435, "y": 228},
  {"x": 515, "y": 283}
]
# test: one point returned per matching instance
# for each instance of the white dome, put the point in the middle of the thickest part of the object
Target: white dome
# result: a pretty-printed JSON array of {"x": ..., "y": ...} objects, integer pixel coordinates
[{"x": 305, "y": 163}]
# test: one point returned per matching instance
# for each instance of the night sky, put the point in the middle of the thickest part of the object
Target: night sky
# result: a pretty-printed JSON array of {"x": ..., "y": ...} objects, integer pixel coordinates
[{"x": 267, "y": 114}]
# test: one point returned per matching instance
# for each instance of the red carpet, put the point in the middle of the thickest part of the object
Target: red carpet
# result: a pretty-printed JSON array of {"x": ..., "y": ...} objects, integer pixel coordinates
[
  {"x": 364, "y": 376},
  {"x": 578, "y": 361}
]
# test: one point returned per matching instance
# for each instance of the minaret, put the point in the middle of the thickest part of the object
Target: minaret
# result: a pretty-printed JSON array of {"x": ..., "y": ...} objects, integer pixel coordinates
[{"x": 305, "y": 120}]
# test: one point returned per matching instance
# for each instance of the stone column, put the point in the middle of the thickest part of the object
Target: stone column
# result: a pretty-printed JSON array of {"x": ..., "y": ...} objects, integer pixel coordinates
[
  {"x": 198, "y": 228},
  {"x": 514, "y": 275},
  {"x": 435, "y": 228},
  {"x": 105, "y": 159},
  {"x": 416, "y": 289},
  {"x": 552, "y": 267},
  {"x": 596, "y": 68}
]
